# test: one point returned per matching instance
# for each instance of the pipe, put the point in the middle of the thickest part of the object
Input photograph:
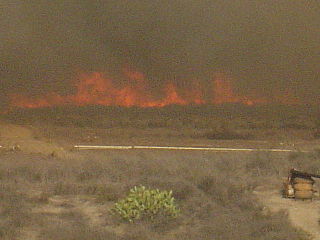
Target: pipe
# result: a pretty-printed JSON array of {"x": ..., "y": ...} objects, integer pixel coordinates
[{"x": 217, "y": 149}]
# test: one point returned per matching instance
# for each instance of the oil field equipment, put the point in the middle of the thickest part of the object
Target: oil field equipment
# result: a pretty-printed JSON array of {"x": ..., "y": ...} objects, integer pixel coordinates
[{"x": 299, "y": 185}]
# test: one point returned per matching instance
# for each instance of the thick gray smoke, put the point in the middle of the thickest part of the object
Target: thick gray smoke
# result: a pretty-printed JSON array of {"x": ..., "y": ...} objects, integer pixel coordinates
[{"x": 265, "y": 45}]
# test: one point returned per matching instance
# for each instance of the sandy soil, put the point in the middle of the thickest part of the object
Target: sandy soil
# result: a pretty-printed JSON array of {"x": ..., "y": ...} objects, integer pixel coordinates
[
  {"x": 60, "y": 207},
  {"x": 303, "y": 214},
  {"x": 22, "y": 138}
]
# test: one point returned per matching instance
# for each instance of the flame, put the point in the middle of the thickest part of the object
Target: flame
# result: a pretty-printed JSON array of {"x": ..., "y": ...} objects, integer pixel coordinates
[
  {"x": 223, "y": 93},
  {"x": 98, "y": 89}
]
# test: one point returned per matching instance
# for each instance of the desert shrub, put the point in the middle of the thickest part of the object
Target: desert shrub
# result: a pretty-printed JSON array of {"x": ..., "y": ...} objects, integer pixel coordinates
[
  {"x": 225, "y": 134},
  {"x": 308, "y": 162},
  {"x": 146, "y": 203},
  {"x": 264, "y": 164},
  {"x": 14, "y": 212},
  {"x": 316, "y": 134}
]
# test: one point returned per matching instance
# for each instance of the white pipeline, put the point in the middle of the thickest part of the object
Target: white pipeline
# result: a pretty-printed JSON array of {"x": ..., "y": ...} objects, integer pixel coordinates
[{"x": 217, "y": 149}]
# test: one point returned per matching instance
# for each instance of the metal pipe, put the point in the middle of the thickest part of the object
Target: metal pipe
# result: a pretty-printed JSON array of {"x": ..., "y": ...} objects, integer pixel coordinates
[{"x": 217, "y": 149}]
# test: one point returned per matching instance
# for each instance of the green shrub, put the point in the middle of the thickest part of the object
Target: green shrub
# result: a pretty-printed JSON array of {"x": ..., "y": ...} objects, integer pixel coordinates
[{"x": 146, "y": 203}]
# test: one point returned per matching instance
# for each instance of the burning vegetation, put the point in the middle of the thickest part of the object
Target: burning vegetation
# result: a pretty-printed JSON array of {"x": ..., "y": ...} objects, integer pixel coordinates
[{"x": 98, "y": 89}]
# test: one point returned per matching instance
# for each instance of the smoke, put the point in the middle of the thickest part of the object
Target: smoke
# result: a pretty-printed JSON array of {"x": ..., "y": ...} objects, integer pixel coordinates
[{"x": 265, "y": 45}]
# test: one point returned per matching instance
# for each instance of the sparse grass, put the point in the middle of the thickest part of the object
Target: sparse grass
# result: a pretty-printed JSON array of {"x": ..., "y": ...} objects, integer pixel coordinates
[
  {"x": 13, "y": 212},
  {"x": 213, "y": 191},
  {"x": 171, "y": 117},
  {"x": 316, "y": 133},
  {"x": 74, "y": 230}
]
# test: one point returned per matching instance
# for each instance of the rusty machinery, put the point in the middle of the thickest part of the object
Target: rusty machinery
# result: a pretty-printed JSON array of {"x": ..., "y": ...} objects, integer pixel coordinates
[{"x": 299, "y": 185}]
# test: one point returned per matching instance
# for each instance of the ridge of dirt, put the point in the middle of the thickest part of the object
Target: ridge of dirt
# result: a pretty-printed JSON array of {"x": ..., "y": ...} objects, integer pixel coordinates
[
  {"x": 303, "y": 214},
  {"x": 16, "y": 137}
]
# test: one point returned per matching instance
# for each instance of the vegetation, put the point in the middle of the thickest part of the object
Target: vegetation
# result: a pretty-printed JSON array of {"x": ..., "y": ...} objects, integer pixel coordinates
[
  {"x": 146, "y": 203},
  {"x": 173, "y": 117},
  {"x": 71, "y": 198},
  {"x": 60, "y": 197}
]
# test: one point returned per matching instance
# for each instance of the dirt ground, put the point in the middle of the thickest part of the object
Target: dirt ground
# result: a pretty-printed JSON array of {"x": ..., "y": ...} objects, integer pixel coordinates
[
  {"x": 303, "y": 214},
  {"x": 65, "y": 188}
]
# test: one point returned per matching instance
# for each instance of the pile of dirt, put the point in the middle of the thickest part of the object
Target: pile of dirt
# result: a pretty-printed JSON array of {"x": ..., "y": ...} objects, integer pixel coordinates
[{"x": 21, "y": 138}]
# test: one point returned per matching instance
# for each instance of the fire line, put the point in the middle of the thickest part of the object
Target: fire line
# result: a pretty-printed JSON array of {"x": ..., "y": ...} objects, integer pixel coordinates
[{"x": 99, "y": 89}]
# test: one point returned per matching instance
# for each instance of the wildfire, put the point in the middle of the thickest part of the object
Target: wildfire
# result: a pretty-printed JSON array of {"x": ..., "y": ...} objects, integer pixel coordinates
[
  {"x": 98, "y": 89},
  {"x": 223, "y": 93}
]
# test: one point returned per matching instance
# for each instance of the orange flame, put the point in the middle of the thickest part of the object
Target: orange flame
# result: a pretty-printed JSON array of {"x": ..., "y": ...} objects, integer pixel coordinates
[
  {"x": 223, "y": 93},
  {"x": 96, "y": 89}
]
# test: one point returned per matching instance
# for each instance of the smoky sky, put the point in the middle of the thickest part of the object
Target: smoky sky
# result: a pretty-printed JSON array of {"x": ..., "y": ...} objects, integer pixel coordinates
[{"x": 263, "y": 44}]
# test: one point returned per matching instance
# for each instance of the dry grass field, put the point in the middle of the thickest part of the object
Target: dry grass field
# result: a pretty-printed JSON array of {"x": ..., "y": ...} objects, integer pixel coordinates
[{"x": 50, "y": 192}]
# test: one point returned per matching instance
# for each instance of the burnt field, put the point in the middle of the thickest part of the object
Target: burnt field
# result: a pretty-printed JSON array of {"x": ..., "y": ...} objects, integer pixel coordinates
[
  {"x": 194, "y": 125},
  {"x": 49, "y": 191}
]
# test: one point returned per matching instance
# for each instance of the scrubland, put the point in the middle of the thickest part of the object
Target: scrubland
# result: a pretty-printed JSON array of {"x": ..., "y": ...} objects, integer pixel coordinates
[{"x": 48, "y": 196}]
